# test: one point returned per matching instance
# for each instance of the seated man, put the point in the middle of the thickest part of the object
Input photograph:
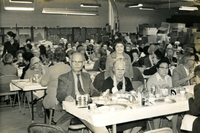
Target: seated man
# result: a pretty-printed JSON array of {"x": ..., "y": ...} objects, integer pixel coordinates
[
  {"x": 182, "y": 75},
  {"x": 72, "y": 83},
  {"x": 194, "y": 102}
]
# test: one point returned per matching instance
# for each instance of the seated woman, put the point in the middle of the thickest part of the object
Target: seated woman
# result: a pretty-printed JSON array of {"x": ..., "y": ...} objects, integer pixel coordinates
[
  {"x": 161, "y": 79},
  {"x": 8, "y": 68},
  {"x": 50, "y": 79},
  {"x": 194, "y": 102},
  {"x": 19, "y": 62},
  {"x": 156, "y": 56},
  {"x": 96, "y": 53},
  {"x": 118, "y": 83},
  {"x": 36, "y": 68},
  {"x": 27, "y": 59},
  {"x": 135, "y": 53}
]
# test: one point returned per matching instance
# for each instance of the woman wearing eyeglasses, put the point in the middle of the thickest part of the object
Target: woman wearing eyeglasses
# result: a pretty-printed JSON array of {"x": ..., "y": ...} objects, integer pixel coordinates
[
  {"x": 118, "y": 83},
  {"x": 161, "y": 80}
]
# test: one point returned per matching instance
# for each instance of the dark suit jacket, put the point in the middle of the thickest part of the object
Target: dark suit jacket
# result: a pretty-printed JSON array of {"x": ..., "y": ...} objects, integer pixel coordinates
[
  {"x": 178, "y": 76},
  {"x": 147, "y": 62},
  {"x": 137, "y": 75},
  {"x": 66, "y": 86},
  {"x": 194, "y": 105}
]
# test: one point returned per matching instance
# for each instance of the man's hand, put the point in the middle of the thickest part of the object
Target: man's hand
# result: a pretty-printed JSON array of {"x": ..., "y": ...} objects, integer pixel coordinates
[
  {"x": 189, "y": 95},
  {"x": 69, "y": 99}
]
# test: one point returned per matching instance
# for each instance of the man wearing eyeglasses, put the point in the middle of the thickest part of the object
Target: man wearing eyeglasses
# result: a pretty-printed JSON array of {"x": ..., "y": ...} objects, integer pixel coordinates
[
  {"x": 75, "y": 83},
  {"x": 183, "y": 74}
]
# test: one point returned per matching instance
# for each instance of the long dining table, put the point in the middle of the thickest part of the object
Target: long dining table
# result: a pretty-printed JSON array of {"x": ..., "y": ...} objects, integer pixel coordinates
[
  {"x": 110, "y": 116},
  {"x": 25, "y": 85}
]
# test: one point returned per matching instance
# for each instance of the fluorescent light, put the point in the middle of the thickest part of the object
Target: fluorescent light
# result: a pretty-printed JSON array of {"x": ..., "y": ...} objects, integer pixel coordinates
[
  {"x": 90, "y": 5},
  {"x": 133, "y": 5},
  {"x": 188, "y": 8},
  {"x": 68, "y": 11},
  {"x": 147, "y": 8},
  {"x": 20, "y": 8},
  {"x": 21, "y": 1}
]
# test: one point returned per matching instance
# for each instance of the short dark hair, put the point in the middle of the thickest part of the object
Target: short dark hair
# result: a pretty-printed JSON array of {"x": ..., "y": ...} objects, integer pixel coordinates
[
  {"x": 117, "y": 41},
  {"x": 163, "y": 60},
  {"x": 197, "y": 71},
  {"x": 59, "y": 55},
  {"x": 159, "y": 54},
  {"x": 29, "y": 46},
  {"x": 11, "y": 34},
  {"x": 27, "y": 56},
  {"x": 135, "y": 51},
  {"x": 28, "y": 40}
]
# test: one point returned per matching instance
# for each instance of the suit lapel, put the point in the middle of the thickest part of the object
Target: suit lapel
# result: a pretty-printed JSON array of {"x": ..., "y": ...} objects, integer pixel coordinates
[{"x": 71, "y": 79}]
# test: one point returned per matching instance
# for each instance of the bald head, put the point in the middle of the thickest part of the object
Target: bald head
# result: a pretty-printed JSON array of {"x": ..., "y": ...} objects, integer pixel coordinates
[{"x": 77, "y": 60}]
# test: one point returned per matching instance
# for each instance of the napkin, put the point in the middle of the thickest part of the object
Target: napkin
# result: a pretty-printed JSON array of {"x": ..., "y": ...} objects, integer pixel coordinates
[{"x": 187, "y": 122}]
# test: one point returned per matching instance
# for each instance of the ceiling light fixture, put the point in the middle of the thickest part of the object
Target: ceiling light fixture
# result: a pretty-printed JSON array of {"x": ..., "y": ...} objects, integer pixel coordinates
[
  {"x": 21, "y": 1},
  {"x": 90, "y": 5},
  {"x": 133, "y": 5},
  {"x": 20, "y": 8},
  {"x": 188, "y": 8},
  {"x": 68, "y": 11}
]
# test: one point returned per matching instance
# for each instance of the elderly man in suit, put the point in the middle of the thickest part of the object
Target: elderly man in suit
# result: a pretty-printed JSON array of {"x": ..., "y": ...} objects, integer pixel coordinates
[
  {"x": 183, "y": 74},
  {"x": 72, "y": 83}
]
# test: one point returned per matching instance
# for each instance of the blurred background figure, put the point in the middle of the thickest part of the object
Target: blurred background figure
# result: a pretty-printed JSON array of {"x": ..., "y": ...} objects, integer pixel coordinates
[
  {"x": 11, "y": 46},
  {"x": 8, "y": 68}
]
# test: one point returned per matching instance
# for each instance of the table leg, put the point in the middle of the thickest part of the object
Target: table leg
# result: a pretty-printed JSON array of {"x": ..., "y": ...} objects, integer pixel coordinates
[
  {"x": 32, "y": 109},
  {"x": 114, "y": 128},
  {"x": 19, "y": 101}
]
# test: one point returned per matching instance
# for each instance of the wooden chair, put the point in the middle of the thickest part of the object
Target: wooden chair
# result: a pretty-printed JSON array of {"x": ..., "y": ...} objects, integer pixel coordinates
[{"x": 5, "y": 88}]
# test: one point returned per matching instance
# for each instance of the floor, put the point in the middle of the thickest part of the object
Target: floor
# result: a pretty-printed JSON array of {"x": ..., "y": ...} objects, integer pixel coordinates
[{"x": 13, "y": 121}]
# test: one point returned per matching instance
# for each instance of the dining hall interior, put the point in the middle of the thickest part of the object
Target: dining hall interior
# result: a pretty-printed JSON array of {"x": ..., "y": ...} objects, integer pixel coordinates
[{"x": 99, "y": 66}]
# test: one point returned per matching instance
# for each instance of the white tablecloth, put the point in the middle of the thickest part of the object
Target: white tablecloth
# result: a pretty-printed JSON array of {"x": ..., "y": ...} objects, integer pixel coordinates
[
  {"x": 23, "y": 84},
  {"x": 120, "y": 116}
]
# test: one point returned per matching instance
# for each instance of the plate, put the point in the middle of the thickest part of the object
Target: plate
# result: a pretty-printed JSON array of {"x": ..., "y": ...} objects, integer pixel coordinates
[
  {"x": 117, "y": 106},
  {"x": 103, "y": 108}
]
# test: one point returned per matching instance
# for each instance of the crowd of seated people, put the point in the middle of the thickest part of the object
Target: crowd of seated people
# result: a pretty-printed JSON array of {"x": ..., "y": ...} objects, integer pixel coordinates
[{"x": 122, "y": 65}]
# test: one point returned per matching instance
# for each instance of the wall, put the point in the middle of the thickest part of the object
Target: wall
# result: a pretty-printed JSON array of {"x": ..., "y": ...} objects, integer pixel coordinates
[
  {"x": 37, "y": 19},
  {"x": 129, "y": 18}
]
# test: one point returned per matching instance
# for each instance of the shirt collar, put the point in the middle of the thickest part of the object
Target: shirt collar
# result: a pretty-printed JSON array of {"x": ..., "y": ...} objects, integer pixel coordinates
[
  {"x": 186, "y": 70},
  {"x": 158, "y": 77}
]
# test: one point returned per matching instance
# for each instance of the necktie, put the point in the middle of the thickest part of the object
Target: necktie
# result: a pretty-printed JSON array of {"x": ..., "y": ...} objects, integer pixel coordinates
[{"x": 79, "y": 85}]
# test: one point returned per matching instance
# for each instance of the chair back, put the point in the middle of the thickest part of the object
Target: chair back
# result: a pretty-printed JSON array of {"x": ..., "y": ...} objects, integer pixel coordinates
[
  {"x": 5, "y": 82},
  {"x": 44, "y": 128},
  {"x": 161, "y": 130}
]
